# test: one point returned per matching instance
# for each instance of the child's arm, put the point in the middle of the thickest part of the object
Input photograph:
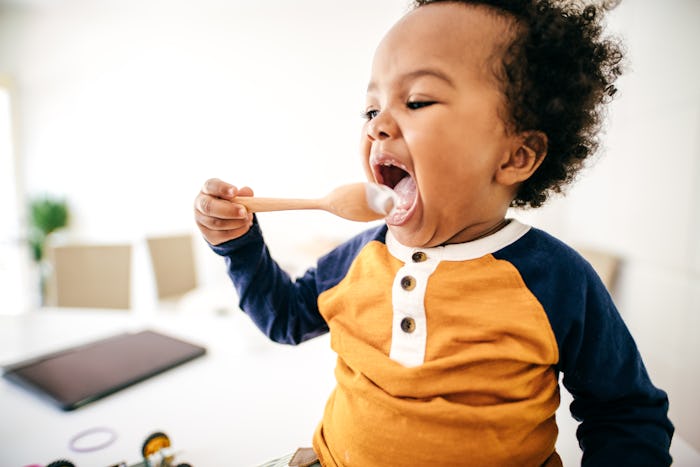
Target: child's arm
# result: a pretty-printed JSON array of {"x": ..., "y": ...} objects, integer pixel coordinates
[
  {"x": 285, "y": 310},
  {"x": 623, "y": 415}
]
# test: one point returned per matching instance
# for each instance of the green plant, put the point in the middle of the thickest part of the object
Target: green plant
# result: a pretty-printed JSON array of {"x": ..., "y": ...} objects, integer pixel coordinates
[{"x": 46, "y": 215}]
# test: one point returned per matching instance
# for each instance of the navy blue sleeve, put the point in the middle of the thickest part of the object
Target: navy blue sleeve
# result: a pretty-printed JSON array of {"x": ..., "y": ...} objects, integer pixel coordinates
[
  {"x": 623, "y": 416},
  {"x": 284, "y": 310}
]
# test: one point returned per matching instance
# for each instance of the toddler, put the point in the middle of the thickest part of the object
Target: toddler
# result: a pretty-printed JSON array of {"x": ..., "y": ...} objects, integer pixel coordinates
[{"x": 452, "y": 322}]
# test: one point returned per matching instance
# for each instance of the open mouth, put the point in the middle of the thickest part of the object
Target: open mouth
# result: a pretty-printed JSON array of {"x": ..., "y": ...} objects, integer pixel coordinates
[{"x": 395, "y": 176}]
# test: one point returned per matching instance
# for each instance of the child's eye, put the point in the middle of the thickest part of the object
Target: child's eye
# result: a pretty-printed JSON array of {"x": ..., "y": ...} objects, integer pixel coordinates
[
  {"x": 370, "y": 114},
  {"x": 414, "y": 105}
]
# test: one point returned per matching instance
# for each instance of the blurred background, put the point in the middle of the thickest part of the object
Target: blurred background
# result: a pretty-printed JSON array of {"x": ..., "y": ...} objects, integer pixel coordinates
[{"x": 121, "y": 109}]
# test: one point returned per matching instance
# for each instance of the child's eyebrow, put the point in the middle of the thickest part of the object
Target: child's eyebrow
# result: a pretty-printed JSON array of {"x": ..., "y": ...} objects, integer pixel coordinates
[{"x": 415, "y": 74}]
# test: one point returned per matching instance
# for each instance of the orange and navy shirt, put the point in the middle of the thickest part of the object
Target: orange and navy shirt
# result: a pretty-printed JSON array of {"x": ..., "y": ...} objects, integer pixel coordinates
[{"x": 451, "y": 355}]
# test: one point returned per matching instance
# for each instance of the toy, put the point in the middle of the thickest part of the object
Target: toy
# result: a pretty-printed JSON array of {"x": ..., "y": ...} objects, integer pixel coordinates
[{"x": 156, "y": 452}]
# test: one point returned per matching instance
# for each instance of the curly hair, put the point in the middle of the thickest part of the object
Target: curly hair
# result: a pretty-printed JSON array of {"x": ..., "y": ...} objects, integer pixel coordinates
[{"x": 557, "y": 74}]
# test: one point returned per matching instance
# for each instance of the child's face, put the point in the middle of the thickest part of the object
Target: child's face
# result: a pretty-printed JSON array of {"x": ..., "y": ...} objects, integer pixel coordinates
[{"x": 434, "y": 131}]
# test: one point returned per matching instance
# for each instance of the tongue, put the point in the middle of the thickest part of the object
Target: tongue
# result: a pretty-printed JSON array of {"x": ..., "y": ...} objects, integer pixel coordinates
[{"x": 405, "y": 193}]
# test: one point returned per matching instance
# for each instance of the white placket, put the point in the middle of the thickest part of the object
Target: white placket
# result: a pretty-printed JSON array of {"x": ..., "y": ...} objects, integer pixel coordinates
[
  {"x": 409, "y": 332},
  {"x": 409, "y": 329}
]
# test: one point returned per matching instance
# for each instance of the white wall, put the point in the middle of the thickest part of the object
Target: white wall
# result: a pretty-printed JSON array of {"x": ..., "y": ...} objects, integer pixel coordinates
[{"x": 128, "y": 106}]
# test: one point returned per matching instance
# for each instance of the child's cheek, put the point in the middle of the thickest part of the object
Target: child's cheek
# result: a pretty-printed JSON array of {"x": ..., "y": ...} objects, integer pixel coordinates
[
  {"x": 365, "y": 149},
  {"x": 368, "y": 171}
]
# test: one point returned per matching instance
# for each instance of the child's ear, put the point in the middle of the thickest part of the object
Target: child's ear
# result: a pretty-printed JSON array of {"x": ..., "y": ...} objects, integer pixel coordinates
[{"x": 528, "y": 152}]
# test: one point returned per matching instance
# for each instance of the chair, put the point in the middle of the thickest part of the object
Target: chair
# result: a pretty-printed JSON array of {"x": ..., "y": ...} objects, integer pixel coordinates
[
  {"x": 90, "y": 276},
  {"x": 172, "y": 258},
  {"x": 606, "y": 264}
]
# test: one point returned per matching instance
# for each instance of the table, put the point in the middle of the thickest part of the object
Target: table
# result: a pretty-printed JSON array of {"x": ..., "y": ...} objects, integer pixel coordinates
[{"x": 247, "y": 401}]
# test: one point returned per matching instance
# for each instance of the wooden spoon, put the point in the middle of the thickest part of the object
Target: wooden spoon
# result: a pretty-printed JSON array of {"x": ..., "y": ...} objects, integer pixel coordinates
[{"x": 361, "y": 202}]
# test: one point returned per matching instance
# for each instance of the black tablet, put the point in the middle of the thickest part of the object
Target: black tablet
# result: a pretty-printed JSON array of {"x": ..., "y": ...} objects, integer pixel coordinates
[{"x": 76, "y": 376}]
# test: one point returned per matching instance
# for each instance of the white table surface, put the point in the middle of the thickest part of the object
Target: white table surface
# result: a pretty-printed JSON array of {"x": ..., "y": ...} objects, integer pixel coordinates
[{"x": 245, "y": 402}]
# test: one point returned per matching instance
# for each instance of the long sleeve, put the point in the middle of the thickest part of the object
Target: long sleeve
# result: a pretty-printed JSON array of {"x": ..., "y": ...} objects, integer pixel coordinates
[
  {"x": 285, "y": 310},
  {"x": 623, "y": 415}
]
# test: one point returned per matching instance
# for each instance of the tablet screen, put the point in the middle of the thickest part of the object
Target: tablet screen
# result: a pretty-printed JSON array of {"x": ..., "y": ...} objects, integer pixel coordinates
[{"x": 76, "y": 376}]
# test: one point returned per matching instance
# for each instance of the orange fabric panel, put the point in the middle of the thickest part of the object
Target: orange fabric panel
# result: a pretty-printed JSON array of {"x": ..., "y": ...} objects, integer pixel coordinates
[
  {"x": 486, "y": 393},
  {"x": 357, "y": 310}
]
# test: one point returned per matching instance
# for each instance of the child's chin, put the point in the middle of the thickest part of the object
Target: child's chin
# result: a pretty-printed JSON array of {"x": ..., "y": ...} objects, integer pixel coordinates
[{"x": 408, "y": 237}]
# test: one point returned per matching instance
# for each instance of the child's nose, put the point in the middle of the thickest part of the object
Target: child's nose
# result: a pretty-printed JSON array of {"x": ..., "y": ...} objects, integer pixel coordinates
[{"x": 382, "y": 126}]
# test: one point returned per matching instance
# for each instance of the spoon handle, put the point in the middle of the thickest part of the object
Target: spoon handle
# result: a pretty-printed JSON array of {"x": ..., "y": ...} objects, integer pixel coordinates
[{"x": 256, "y": 204}]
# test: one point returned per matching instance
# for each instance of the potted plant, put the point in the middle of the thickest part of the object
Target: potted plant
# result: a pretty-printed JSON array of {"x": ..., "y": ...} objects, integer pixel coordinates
[{"x": 46, "y": 215}]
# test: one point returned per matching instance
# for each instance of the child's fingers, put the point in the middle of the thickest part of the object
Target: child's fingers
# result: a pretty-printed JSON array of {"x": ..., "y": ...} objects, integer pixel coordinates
[
  {"x": 217, "y": 230},
  {"x": 217, "y": 217},
  {"x": 215, "y": 237},
  {"x": 218, "y": 208},
  {"x": 245, "y": 191},
  {"x": 218, "y": 223},
  {"x": 219, "y": 189}
]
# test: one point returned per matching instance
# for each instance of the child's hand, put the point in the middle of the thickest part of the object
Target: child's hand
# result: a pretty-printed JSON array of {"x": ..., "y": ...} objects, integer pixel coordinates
[{"x": 217, "y": 217}]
